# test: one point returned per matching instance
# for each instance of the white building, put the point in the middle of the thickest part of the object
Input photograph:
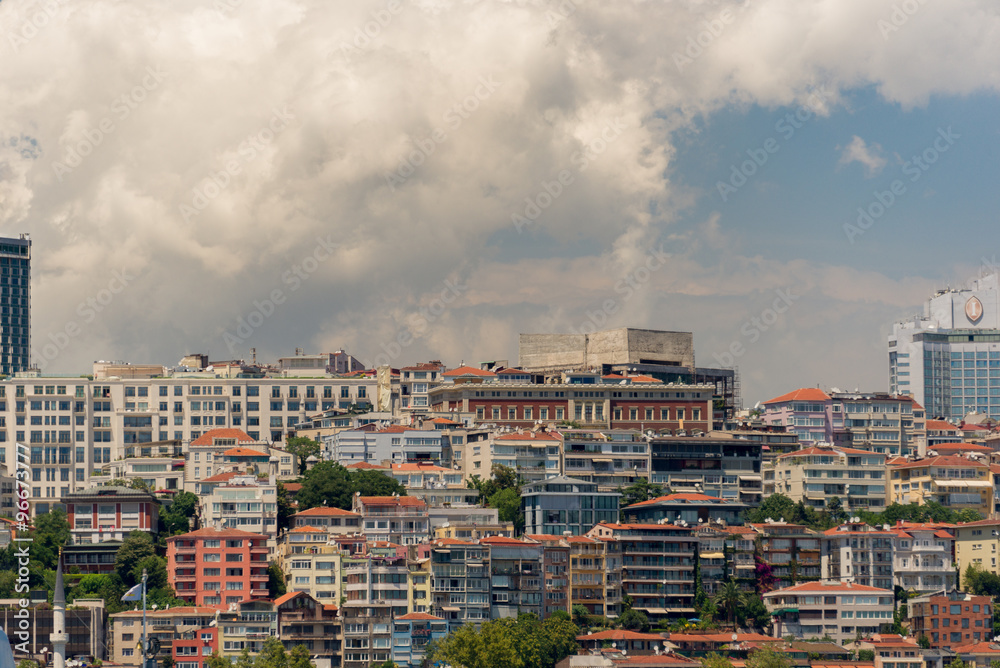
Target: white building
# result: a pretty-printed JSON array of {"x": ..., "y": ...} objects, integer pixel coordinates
[
  {"x": 817, "y": 609},
  {"x": 922, "y": 556},
  {"x": 858, "y": 553},
  {"x": 949, "y": 357}
]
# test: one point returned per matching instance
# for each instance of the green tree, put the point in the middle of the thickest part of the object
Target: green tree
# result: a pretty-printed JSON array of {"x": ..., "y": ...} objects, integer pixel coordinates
[
  {"x": 285, "y": 509},
  {"x": 303, "y": 447},
  {"x": 275, "y": 580},
  {"x": 177, "y": 517},
  {"x": 776, "y": 506},
  {"x": 836, "y": 510},
  {"x": 490, "y": 647},
  {"x": 640, "y": 490},
  {"x": 729, "y": 599},
  {"x": 581, "y": 616},
  {"x": 501, "y": 478},
  {"x": 156, "y": 571},
  {"x": 331, "y": 484},
  {"x": 137, "y": 546},
  {"x": 105, "y": 586},
  {"x": 716, "y": 660},
  {"x": 508, "y": 504},
  {"x": 956, "y": 663},
  {"x": 297, "y": 658},
  {"x": 50, "y": 532},
  {"x": 700, "y": 598},
  {"x": 634, "y": 620},
  {"x": 216, "y": 661},
  {"x": 925, "y": 643},
  {"x": 272, "y": 655},
  {"x": 768, "y": 657},
  {"x": 754, "y": 613}
]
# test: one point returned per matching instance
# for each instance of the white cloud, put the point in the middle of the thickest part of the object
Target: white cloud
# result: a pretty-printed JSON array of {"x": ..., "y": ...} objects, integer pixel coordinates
[
  {"x": 362, "y": 107},
  {"x": 869, "y": 156}
]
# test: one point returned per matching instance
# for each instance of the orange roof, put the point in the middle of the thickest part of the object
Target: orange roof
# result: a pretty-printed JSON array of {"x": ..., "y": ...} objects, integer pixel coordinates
[
  {"x": 293, "y": 486},
  {"x": 977, "y": 648},
  {"x": 443, "y": 421},
  {"x": 819, "y": 586},
  {"x": 940, "y": 425},
  {"x": 644, "y": 379},
  {"x": 365, "y": 466},
  {"x": 621, "y": 635},
  {"x": 951, "y": 448},
  {"x": 468, "y": 371},
  {"x": 305, "y": 529},
  {"x": 289, "y": 596},
  {"x": 656, "y": 660},
  {"x": 941, "y": 460},
  {"x": 613, "y": 376},
  {"x": 417, "y": 616},
  {"x": 679, "y": 497},
  {"x": 392, "y": 501},
  {"x": 451, "y": 541},
  {"x": 543, "y": 537},
  {"x": 208, "y": 532},
  {"x": 395, "y": 429},
  {"x": 418, "y": 466},
  {"x": 207, "y": 438},
  {"x": 325, "y": 512},
  {"x": 974, "y": 427},
  {"x": 182, "y": 610},
  {"x": 803, "y": 394},
  {"x": 826, "y": 451},
  {"x": 501, "y": 540},
  {"x": 223, "y": 477},
  {"x": 527, "y": 436},
  {"x": 243, "y": 452}
]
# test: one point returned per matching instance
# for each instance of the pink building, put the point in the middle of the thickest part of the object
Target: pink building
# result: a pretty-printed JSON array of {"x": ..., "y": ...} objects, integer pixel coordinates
[
  {"x": 807, "y": 412},
  {"x": 218, "y": 567}
]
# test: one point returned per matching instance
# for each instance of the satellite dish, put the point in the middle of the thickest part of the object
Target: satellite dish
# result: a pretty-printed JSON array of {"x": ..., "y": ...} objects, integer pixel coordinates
[{"x": 735, "y": 637}]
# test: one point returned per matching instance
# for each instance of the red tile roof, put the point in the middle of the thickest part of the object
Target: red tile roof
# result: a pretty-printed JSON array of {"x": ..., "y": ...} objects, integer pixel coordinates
[
  {"x": 305, "y": 529},
  {"x": 207, "y": 438},
  {"x": 679, "y": 497},
  {"x": 417, "y": 616},
  {"x": 527, "y": 436},
  {"x": 444, "y": 421},
  {"x": 501, "y": 540},
  {"x": 325, "y": 512},
  {"x": 942, "y": 460},
  {"x": 208, "y": 532},
  {"x": 243, "y": 452},
  {"x": 468, "y": 371},
  {"x": 951, "y": 448},
  {"x": 293, "y": 486},
  {"x": 392, "y": 501},
  {"x": 223, "y": 477},
  {"x": 366, "y": 466},
  {"x": 940, "y": 425},
  {"x": 827, "y": 451},
  {"x": 621, "y": 635},
  {"x": 418, "y": 466},
  {"x": 819, "y": 586},
  {"x": 803, "y": 394},
  {"x": 977, "y": 648},
  {"x": 289, "y": 596},
  {"x": 182, "y": 610}
]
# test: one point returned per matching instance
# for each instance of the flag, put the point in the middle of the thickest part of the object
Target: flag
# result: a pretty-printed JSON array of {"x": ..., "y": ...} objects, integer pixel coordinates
[{"x": 133, "y": 594}]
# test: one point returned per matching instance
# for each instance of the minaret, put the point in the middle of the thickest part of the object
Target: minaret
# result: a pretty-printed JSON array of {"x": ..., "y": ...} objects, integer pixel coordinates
[{"x": 59, "y": 636}]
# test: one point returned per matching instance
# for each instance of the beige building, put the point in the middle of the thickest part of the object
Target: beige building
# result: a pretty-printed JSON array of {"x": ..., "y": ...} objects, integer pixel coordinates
[
  {"x": 978, "y": 544},
  {"x": 311, "y": 564},
  {"x": 468, "y": 531},
  {"x": 329, "y": 520},
  {"x": 534, "y": 455},
  {"x": 165, "y": 625},
  {"x": 956, "y": 482},
  {"x": 556, "y": 352},
  {"x": 816, "y": 475},
  {"x": 840, "y": 611}
]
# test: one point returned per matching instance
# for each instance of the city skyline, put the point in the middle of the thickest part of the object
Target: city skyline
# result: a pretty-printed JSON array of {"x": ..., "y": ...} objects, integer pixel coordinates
[{"x": 407, "y": 175}]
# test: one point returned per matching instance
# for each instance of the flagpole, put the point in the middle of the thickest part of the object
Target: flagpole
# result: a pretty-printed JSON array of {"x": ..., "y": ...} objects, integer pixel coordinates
[{"x": 145, "y": 642}]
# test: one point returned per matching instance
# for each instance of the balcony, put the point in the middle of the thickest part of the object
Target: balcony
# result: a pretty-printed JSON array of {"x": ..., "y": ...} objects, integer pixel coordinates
[
  {"x": 259, "y": 578},
  {"x": 184, "y": 550},
  {"x": 259, "y": 592}
]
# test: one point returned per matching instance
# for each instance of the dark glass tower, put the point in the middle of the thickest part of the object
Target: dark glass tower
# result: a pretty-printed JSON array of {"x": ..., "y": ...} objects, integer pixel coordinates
[{"x": 15, "y": 304}]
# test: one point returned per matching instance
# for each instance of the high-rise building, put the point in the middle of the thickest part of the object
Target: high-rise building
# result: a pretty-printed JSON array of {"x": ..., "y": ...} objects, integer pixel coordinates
[
  {"x": 15, "y": 300},
  {"x": 949, "y": 358}
]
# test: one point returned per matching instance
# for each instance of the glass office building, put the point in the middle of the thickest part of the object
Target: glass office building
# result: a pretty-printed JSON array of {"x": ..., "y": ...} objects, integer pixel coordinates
[
  {"x": 15, "y": 304},
  {"x": 949, "y": 358}
]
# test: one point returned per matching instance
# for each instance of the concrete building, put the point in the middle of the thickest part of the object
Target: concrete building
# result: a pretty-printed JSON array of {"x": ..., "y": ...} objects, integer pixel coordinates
[
  {"x": 402, "y": 520},
  {"x": 977, "y": 544},
  {"x": 410, "y": 635},
  {"x": 817, "y": 475},
  {"x": 879, "y": 422},
  {"x": 436, "y": 485},
  {"x": 217, "y": 568},
  {"x": 923, "y": 556},
  {"x": 194, "y": 648},
  {"x": 657, "y": 566},
  {"x": 414, "y": 381},
  {"x": 534, "y": 455},
  {"x": 860, "y": 554},
  {"x": 949, "y": 357},
  {"x": 587, "y": 570},
  {"x": 941, "y": 431},
  {"x": 818, "y": 609},
  {"x": 167, "y": 626},
  {"x": 107, "y": 513},
  {"x": 329, "y": 520},
  {"x": 541, "y": 353},
  {"x": 377, "y": 581},
  {"x": 516, "y": 576},
  {"x": 311, "y": 565},
  {"x": 792, "y": 551},
  {"x": 246, "y": 624},
  {"x": 953, "y": 481},
  {"x": 556, "y": 564},
  {"x": 338, "y": 363},
  {"x": 559, "y": 504},
  {"x": 808, "y": 412},
  {"x": 15, "y": 297},
  {"x": 461, "y": 581},
  {"x": 946, "y": 617},
  {"x": 243, "y": 502},
  {"x": 724, "y": 467},
  {"x": 611, "y": 458},
  {"x": 420, "y": 579}
]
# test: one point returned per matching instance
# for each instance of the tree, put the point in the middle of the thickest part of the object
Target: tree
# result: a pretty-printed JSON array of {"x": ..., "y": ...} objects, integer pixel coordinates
[
  {"x": 156, "y": 571},
  {"x": 275, "y": 580},
  {"x": 303, "y": 447},
  {"x": 136, "y": 547},
  {"x": 177, "y": 517},
  {"x": 285, "y": 510},
  {"x": 106, "y": 586},
  {"x": 272, "y": 655},
  {"x": 50, "y": 532},
  {"x": 776, "y": 506},
  {"x": 754, "y": 612},
  {"x": 634, "y": 620},
  {"x": 640, "y": 490},
  {"x": 330, "y": 484},
  {"x": 297, "y": 658},
  {"x": 956, "y": 663},
  {"x": 508, "y": 504},
  {"x": 767, "y": 657},
  {"x": 715, "y": 660},
  {"x": 216, "y": 661},
  {"x": 501, "y": 478},
  {"x": 580, "y": 616},
  {"x": 836, "y": 510},
  {"x": 729, "y": 599},
  {"x": 490, "y": 647},
  {"x": 700, "y": 598},
  {"x": 925, "y": 643}
]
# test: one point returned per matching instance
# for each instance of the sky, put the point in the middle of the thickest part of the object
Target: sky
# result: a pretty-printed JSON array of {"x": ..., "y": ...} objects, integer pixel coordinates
[{"x": 425, "y": 179}]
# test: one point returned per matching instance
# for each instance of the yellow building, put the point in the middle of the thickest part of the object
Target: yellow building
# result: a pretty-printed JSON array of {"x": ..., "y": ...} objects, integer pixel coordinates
[
  {"x": 977, "y": 543},
  {"x": 474, "y": 530},
  {"x": 586, "y": 573},
  {"x": 311, "y": 564},
  {"x": 956, "y": 482},
  {"x": 419, "y": 595}
]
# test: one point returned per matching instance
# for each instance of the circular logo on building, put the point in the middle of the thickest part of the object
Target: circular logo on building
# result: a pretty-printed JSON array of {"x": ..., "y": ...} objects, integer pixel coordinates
[{"x": 974, "y": 309}]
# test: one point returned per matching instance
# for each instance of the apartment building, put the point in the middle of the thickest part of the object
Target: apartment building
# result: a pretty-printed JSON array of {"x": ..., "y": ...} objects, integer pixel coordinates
[
  {"x": 612, "y": 458},
  {"x": 107, "y": 513},
  {"x": 436, "y": 485},
  {"x": 816, "y": 475},
  {"x": 420, "y": 579},
  {"x": 329, "y": 520},
  {"x": 977, "y": 543},
  {"x": 950, "y": 618},
  {"x": 657, "y": 566},
  {"x": 411, "y": 634},
  {"x": 367, "y": 636},
  {"x": 377, "y": 582},
  {"x": 953, "y": 481},
  {"x": 893, "y": 651},
  {"x": 516, "y": 570},
  {"x": 415, "y": 381},
  {"x": 560, "y": 504},
  {"x": 303, "y": 620},
  {"x": 167, "y": 626},
  {"x": 461, "y": 581},
  {"x": 403, "y": 520},
  {"x": 194, "y": 648},
  {"x": 587, "y": 569},
  {"x": 534, "y": 455},
  {"x": 837, "y": 610},
  {"x": 243, "y": 502},
  {"x": 74, "y": 426},
  {"x": 859, "y": 553},
  {"x": 472, "y": 529},
  {"x": 246, "y": 624},
  {"x": 377, "y": 443},
  {"x": 721, "y": 466},
  {"x": 893, "y": 425},
  {"x": 217, "y": 568},
  {"x": 311, "y": 564},
  {"x": 792, "y": 551},
  {"x": 159, "y": 464},
  {"x": 923, "y": 556},
  {"x": 555, "y": 565},
  {"x": 808, "y": 412}
]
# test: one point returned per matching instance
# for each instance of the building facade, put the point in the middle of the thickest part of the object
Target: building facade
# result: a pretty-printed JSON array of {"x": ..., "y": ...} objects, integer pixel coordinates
[
  {"x": 817, "y": 475},
  {"x": 15, "y": 297},
  {"x": 559, "y": 504},
  {"x": 840, "y": 611},
  {"x": 218, "y": 568},
  {"x": 950, "y": 618}
]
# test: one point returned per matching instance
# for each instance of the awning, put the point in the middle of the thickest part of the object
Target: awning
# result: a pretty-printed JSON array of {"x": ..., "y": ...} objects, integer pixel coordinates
[
  {"x": 601, "y": 459},
  {"x": 782, "y": 610},
  {"x": 749, "y": 477},
  {"x": 451, "y": 609},
  {"x": 713, "y": 555}
]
